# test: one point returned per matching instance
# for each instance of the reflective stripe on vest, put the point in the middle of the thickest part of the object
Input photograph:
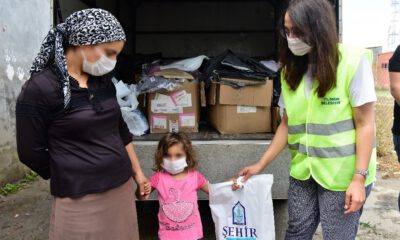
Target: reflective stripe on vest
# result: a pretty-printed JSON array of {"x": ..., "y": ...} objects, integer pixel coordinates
[
  {"x": 328, "y": 152},
  {"x": 323, "y": 129}
]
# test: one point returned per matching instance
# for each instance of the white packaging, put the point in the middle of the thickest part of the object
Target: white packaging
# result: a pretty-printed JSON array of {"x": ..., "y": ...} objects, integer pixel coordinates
[
  {"x": 188, "y": 65},
  {"x": 246, "y": 213},
  {"x": 122, "y": 89},
  {"x": 135, "y": 120}
]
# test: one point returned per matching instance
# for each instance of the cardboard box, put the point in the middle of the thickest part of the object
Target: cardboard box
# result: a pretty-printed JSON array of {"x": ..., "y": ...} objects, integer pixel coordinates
[
  {"x": 243, "y": 110},
  {"x": 176, "y": 111}
]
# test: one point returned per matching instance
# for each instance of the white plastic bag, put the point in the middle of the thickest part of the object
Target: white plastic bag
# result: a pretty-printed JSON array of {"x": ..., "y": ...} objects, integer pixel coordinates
[
  {"x": 132, "y": 97},
  {"x": 188, "y": 65},
  {"x": 126, "y": 94},
  {"x": 122, "y": 89},
  {"x": 127, "y": 100},
  {"x": 135, "y": 120},
  {"x": 246, "y": 213}
]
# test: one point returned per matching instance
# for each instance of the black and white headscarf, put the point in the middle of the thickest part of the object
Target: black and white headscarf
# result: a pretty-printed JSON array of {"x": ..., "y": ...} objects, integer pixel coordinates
[{"x": 85, "y": 27}]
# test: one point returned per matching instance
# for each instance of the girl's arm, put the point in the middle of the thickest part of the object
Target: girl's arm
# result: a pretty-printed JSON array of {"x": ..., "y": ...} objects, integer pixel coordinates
[
  {"x": 364, "y": 119},
  {"x": 204, "y": 188}
]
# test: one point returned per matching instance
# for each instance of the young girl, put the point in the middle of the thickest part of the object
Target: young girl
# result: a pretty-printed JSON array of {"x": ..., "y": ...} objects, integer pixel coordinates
[{"x": 177, "y": 180}]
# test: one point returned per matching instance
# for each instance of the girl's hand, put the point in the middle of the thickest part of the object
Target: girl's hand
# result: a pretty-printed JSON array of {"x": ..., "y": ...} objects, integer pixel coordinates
[
  {"x": 355, "y": 195},
  {"x": 147, "y": 189},
  {"x": 235, "y": 186},
  {"x": 249, "y": 171}
]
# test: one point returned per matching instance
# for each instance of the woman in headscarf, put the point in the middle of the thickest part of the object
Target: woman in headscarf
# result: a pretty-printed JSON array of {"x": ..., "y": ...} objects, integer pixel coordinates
[{"x": 70, "y": 130}]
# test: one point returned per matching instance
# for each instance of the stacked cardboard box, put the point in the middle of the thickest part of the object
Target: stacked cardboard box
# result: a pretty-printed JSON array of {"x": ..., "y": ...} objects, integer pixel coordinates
[
  {"x": 176, "y": 111},
  {"x": 240, "y": 110}
]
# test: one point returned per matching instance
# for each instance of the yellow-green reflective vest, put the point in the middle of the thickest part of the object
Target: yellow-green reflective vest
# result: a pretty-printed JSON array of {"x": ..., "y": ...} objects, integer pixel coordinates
[{"x": 322, "y": 136}]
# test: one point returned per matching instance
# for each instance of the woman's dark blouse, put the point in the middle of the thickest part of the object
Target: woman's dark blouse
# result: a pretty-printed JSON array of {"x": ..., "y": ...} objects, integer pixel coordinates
[{"x": 82, "y": 149}]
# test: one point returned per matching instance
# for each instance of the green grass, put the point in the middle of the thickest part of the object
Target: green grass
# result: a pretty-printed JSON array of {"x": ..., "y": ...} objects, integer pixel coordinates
[{"x": 11, "y": 188}]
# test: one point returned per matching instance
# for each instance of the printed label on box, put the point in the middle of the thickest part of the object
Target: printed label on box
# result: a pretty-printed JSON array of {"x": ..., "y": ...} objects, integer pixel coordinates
[
  {"x": 182, "y": 99},
  {"x": 158, "y": 121},
  {"x": 188, "y": 101},
  {"x": 187, "y": 120},
  {"x": 246, "y": 109},
  {"x": 164, "y": 97},
  {"x": 162, "y": 106},
  {"x": 173, "y": 126}
]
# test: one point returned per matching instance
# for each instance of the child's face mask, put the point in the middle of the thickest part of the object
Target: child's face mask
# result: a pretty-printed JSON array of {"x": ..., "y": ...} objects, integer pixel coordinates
[{"x": 174, "y": 167}]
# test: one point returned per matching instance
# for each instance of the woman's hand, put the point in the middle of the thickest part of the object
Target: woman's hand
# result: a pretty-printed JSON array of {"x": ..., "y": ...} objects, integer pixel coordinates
[
  {"x": 246, "y": 173},
  {"x": 249, "y": 171},
  {"x": 355, "y": 195},
  {"x": 144, "y": 188}
]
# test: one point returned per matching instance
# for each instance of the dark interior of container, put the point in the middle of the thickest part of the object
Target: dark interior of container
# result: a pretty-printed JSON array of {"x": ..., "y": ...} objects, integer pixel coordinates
[{"x": 179, "y": 29}]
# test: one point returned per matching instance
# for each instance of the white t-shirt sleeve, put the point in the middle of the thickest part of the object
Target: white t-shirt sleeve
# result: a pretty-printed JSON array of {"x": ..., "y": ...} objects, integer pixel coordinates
[
  {"x": 362, "y": 86},
  {"x": 281, "y": 105}
]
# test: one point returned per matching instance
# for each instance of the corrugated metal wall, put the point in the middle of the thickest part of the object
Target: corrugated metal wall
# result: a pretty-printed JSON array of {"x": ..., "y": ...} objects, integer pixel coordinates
[{"x": 23, "y": 25}]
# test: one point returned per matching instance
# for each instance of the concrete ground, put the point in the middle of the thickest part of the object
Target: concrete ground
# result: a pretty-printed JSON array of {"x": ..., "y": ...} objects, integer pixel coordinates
[
  {"x": 25, "y": 215},
  {"x": 381, "y": 216}
]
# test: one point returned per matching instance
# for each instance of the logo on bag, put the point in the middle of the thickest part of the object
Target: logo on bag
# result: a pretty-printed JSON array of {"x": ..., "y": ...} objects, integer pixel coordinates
[
  {"x": 239, "y": 230},
  {"x": 239, "y": 214}
]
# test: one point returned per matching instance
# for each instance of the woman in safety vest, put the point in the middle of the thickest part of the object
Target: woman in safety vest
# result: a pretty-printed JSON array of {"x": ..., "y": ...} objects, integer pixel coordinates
[{"x": 328, "y": 124}]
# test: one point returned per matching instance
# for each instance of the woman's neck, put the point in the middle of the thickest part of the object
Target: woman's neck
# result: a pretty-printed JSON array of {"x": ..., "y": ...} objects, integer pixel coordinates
[{"x": 74, "y": 66}]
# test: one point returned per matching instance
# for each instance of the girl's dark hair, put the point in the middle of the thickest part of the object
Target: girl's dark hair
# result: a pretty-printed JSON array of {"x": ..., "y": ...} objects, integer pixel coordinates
[
  {"x": 170, "y": 140},
  {"x": 314, "y": 22}
]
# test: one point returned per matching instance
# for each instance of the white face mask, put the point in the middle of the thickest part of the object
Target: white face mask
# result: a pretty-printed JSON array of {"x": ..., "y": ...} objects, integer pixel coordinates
[
  {"x": 174, "y": 167},
  {"x": 298, "y": 47},
  {"x": 99, "y": 68}
]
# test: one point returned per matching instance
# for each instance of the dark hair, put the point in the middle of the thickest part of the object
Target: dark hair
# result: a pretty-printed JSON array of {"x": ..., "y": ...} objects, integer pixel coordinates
[
  {"x": 314, "y": 22},
  {"x": 170, "y": 140}
]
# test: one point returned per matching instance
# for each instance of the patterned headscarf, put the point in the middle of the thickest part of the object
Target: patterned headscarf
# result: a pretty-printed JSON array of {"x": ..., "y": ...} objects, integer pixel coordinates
[{"x": 85, "y": 27}]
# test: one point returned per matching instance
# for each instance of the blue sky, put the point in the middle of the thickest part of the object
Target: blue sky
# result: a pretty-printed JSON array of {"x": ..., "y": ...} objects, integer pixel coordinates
[{"x": 366, "y": 22}]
